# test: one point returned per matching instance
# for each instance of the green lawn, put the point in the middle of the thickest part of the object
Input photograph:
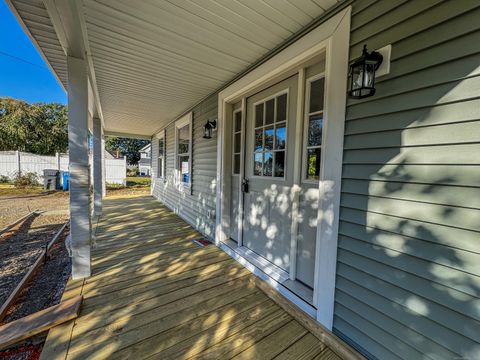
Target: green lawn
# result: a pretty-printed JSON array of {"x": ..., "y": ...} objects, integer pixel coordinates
[
  {"x": 10, "y": 190},
  {"x": 137, "y": 181}
]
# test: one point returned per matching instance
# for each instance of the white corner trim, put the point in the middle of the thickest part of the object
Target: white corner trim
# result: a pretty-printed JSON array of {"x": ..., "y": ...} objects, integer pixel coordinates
[
  {"x": 331, "y": 37},
  {"x": 336, "y": 73}
]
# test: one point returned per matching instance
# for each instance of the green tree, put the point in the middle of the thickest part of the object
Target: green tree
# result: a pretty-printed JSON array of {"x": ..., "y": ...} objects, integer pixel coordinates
[
  {"x": 128, "y": 147},
  {"x": 37, "y": 128}
]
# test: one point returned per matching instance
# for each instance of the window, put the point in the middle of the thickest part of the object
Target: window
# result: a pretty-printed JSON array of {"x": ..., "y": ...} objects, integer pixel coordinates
[
  {"x": 161, "y": 156},
  {"x": 183, "y": 150},
  {"x": 270, "y": 141},
  {"x": 313, "y": 128},
  {"x": 237, "y": 141}
]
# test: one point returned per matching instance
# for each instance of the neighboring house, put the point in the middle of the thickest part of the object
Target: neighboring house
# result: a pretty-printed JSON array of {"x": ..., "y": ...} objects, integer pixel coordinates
[
  {"x": 365, "y": 213},
  {"x": 145, "y": 162}
]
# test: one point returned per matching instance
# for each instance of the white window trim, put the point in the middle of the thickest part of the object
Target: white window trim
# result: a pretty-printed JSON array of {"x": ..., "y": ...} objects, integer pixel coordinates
[
  {"x": 332, "y": 37},
  {"x": 182, "y": 186},
  {"x": 308, "y": 89},
  {"x": 161, "y": 136}
]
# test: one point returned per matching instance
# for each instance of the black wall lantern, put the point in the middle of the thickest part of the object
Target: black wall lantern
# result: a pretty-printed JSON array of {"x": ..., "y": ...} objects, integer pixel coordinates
[
  {"x": 362, "y": 74},
  {"x": 208, "y": 128}
]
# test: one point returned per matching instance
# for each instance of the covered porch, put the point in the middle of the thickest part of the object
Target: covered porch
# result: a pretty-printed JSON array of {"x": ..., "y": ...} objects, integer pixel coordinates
[{"x": 154, "y": 293}]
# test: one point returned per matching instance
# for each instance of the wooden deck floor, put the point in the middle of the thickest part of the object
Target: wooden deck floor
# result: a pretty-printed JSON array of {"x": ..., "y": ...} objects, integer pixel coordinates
[{"x": 154, "y": 294}]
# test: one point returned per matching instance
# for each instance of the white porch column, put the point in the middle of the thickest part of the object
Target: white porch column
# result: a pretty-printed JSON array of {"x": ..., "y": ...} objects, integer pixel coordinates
[
  {"x": 104, "y": 182},
  {"x": 80, "y": 224},
  {"x": 98, "y": 160}
]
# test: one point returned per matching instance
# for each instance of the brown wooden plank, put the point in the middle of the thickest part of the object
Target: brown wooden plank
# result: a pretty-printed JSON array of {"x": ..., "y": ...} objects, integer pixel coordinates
[
  {"x": 231, "y": 340},
  {"x": 162, "y": 267},
  {"x": 323, "y": 334},
  {"x": 39, "y": 322},
  {"x": 154, "y": 336},
  {"x": 172, "y": 314},
  {"x": 178, "y": 253},
  {"x": 194, "y": 269},
  {"x": 18, "y": 221},
  {"x": 273, "y": 344},
  {"x": 120, "y": 313},
  {"x": 139, "y": 292},
  {"x": 304, "y": 349},
  {"x": 59, "y": 337},
  {"x": 327, "y": 354}
]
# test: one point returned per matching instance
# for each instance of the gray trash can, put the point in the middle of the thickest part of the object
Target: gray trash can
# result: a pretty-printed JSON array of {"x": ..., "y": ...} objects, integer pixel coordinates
[{"x": 51, "y": 180}]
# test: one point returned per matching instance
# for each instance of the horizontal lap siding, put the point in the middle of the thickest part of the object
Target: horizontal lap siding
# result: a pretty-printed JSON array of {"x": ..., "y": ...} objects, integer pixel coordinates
[
  {"x": 191, "y": 207},
  {"x": 408, "y": 273}
]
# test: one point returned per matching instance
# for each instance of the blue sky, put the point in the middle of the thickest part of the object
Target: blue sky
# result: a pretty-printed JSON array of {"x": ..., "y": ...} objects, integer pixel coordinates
[{"x": 23, "y": 73}]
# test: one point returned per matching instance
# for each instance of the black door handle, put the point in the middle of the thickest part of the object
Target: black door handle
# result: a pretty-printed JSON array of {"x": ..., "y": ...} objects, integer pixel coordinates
[{"x": 245, "y": 185}]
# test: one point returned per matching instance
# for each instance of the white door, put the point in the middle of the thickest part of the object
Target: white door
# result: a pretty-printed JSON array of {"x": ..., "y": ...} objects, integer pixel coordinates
[{"x": 269, "y": 158}]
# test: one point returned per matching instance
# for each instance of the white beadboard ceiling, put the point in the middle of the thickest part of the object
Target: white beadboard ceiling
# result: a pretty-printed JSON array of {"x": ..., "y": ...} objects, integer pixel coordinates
[{"x": 155, "y": 59}]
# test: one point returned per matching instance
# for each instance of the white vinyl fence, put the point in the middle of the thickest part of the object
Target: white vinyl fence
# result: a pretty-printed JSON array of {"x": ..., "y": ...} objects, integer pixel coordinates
[{"x": 12, "y": 162}]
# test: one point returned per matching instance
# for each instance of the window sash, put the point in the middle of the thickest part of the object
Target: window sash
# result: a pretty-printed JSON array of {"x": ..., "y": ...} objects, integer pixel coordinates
[
  {"x": 184, "y": 137},
  {"x": 306, "y": 178}
]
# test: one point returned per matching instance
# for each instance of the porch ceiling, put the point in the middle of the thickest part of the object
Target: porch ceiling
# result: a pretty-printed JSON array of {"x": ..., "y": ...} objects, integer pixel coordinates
[{"x": 155, "y": 59}]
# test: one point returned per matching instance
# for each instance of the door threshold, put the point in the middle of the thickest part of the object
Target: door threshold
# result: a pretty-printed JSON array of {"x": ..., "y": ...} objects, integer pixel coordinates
[
  {"x": 266, "y": 266},
  {"x": 232, "y": 249},
  {"x": 302, "y": 290}
]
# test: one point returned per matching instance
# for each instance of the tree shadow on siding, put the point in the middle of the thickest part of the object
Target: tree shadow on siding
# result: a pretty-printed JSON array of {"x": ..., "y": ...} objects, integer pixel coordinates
[{"x": 408, "y": 247}]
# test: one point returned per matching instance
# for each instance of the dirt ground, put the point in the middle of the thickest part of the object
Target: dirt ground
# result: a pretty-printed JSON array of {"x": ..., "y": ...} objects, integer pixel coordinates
[
  {"x": 20, "y": 247},
  {"x": 14, "y": 206}
]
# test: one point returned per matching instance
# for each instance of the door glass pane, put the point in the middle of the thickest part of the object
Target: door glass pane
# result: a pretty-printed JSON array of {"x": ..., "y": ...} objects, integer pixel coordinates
[
  {"x": 184, "y": 168},
  {"x": 313, "y": 164},
  {"x": 236, "y": 164},
  {"x": 282, "y": 108},
  {"x": 315, "y": 125},
  {"x": 270, "y": 111},
  {"x": 258, "y": 139},
  {"x": 257, "y": 164},
  {"x": 259, "y": 115},
  {"x": 237, "y": 141},
  {"x": 280, "y": 136},
  {"x": 238, "y": 121},
  {"x": 316, "y": 95},
  {"x": 269, "y": 138},
  {"x": 279, "y": 163},
  {"x": 267, "y": 164}
]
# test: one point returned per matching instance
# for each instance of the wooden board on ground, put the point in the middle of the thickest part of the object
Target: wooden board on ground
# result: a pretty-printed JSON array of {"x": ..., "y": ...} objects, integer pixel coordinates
[{"x": 39, "y": 322}]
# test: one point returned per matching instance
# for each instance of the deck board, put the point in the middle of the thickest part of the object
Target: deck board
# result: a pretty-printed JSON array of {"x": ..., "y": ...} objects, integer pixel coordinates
[{"x": 155, "y": 294}]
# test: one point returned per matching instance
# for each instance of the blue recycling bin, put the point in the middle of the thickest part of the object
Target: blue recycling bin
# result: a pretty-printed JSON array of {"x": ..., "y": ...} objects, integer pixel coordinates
[{"x": 65, "y": 180}]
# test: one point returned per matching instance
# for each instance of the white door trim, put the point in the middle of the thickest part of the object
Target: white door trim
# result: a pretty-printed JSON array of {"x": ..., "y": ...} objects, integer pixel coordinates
[{"x": 331, "y": 37}]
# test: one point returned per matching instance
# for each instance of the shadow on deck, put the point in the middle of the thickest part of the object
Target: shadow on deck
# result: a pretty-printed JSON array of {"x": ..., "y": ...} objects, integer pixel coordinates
[{"x": 154, "y": 294}]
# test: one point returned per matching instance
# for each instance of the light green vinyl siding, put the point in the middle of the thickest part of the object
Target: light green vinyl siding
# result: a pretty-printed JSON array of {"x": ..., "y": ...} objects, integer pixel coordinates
[
  {"x": 192, "y": 207},
  {"x": 408, "y": 272}
]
